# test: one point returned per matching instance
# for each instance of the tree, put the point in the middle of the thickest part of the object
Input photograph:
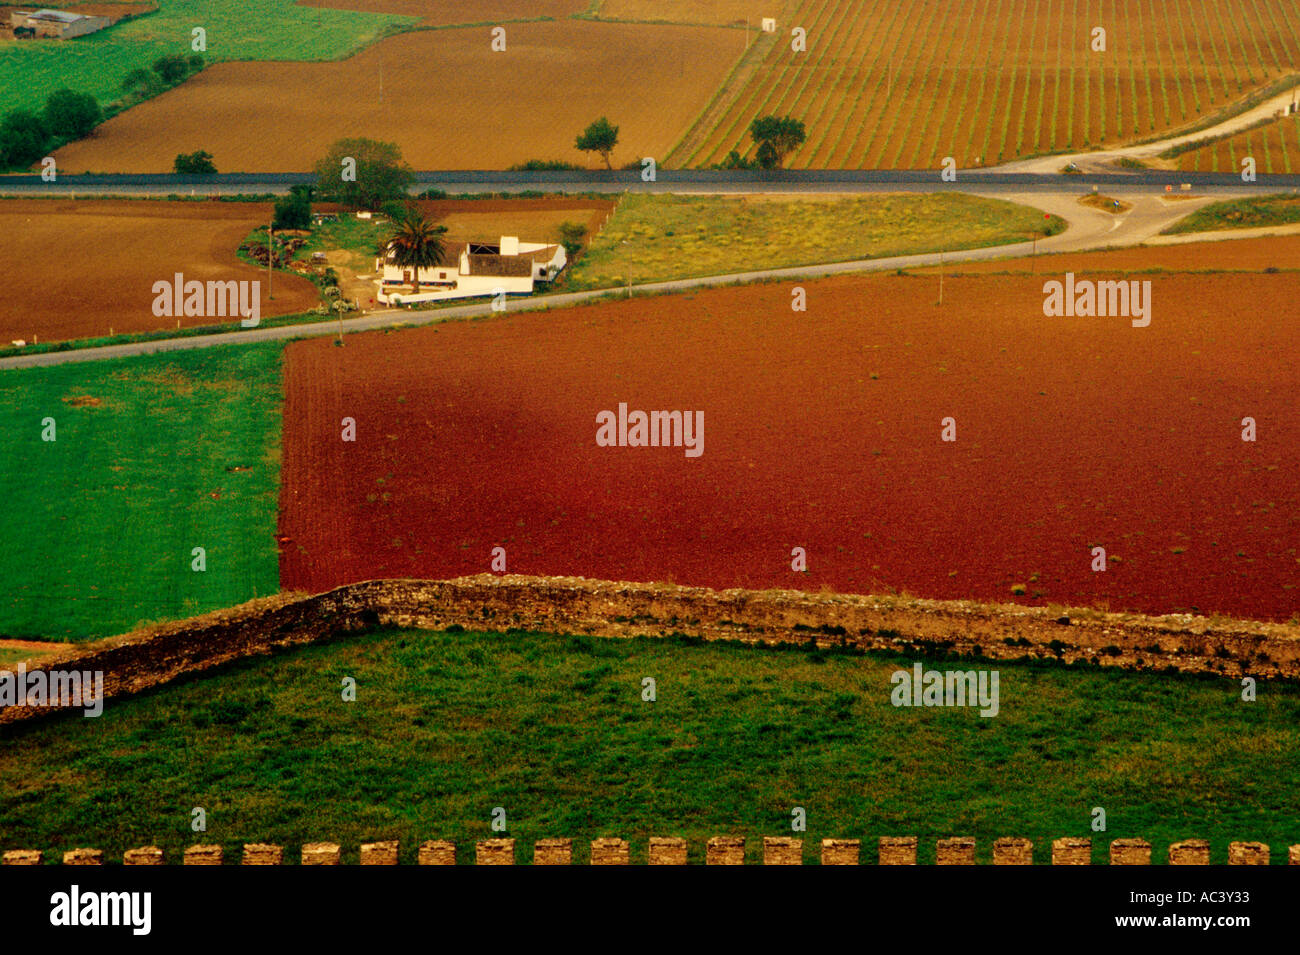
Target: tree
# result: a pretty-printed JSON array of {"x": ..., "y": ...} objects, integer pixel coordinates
[
  {"x": 173, "y": 68},
  {"x": 600, "y": 137},
  {"x": 416, "y": 244},
  {"x": 198, "y": 163},
  {"x": 571, "y": 236},
  {"x": 24, "y": 138},
  {"x": 294, "y": 210},
  {"x": 363, "y": 173},
  {"x": 141, "y": 82},
  {"x": 71, "y": 114},
  {"x": 777, "y": 137},
  {"x": 397, "y": 210}
]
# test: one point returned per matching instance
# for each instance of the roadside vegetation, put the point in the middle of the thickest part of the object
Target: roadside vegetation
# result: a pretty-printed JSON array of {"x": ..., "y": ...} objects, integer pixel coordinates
[
  {"x": 192, "y": 435},
  {"x": 1248, "y": 213},
  {"x": 654, "y": 238},
  {"x": 448, "y": 726}
]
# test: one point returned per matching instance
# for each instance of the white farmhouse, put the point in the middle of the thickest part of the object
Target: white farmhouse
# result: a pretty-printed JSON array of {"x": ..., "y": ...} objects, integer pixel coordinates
[
  {"x": 472, "y": 269},
  {"x": 55, "y": 24}
]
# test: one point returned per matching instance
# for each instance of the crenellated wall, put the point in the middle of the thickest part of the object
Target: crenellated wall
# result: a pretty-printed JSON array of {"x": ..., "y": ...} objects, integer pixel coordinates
[
  {"x": 151, "y": 657},
  {"x": 719, "y": 850}
]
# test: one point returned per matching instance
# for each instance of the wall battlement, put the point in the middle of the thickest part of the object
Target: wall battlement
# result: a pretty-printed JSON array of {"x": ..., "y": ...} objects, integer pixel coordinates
[{"x": 719, "y": 850}]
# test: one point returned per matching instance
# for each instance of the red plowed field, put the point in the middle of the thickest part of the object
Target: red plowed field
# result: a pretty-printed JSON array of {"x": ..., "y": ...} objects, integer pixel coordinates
[
  {"x": 822, "y": 431},
  {"x": 78, "y": 269}
]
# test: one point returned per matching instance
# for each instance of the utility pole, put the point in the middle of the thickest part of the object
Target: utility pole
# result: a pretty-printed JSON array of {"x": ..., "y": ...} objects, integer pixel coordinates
[{"x": 270, "y": 257}]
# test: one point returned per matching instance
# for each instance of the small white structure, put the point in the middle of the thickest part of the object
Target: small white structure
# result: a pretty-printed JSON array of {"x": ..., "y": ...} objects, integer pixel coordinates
[
  {"x": 769, "y": 24},
  {"x": 56, "y": 24},
  {"x": 472, "y": 269}
]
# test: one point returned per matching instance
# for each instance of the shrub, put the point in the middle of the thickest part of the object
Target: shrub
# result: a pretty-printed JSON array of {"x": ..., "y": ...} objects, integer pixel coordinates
[
  {"x": 544, "y": 165},
  {"x": 735, "y": 160},
  {"x": 173, "y": 68},
  {"x": 396, "y": 210},
  {"x": 71, "y": 114},
  {"x": 24, "y": 138},
  {"x": 294, "y": 210},
  {"x": 198, "y": 163},
  {"x": 571, "y": 236}
]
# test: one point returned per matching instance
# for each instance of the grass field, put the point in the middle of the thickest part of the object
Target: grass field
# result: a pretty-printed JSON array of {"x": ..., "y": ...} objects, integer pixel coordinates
[
  {"x": 658, "y": 237},
  {"x": 154, "y": 456},
  {"x": 446, "y": 727},
  {"x": 236, "y": 30},
  {"x": 1241, "y": 214}
]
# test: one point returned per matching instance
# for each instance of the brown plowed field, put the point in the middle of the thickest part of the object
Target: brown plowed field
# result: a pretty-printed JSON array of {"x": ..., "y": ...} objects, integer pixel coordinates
[
  {"x": 723, "y": 12},
  {"x": 822, "y": 430},
  {"x": 79, "y": 268},
  {"x": 448, "y": 101},
  {"x": 442, "y": 12},
  {"x": 1246, "y": 255}
]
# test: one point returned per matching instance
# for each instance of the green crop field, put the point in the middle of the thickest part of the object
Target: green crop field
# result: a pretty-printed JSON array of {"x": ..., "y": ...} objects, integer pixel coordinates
[
  {"x": 236, "y": 30},
  {"x": 153, "y": 456},
  {"x": 653, "y": 238},
  {"x": 446, "y": 727}
]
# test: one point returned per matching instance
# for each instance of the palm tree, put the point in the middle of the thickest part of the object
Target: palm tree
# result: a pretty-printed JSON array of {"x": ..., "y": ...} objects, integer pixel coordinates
[{"x": 416, "y": 244}]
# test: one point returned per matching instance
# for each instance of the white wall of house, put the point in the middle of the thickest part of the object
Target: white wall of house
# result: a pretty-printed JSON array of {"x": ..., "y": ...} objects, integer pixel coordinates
[{"x": 453, "y": 279}]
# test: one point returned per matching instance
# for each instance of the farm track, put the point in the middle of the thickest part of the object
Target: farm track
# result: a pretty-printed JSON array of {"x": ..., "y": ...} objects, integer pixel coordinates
[{"x": 722, "y": 103}]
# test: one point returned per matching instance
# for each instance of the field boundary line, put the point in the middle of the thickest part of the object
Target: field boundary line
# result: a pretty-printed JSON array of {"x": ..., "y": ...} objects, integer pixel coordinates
[{"x": 715, "y": 110}]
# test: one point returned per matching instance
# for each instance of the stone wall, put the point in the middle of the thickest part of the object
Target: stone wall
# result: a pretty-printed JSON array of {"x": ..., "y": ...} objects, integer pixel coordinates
[
  {"x": 661, "y": 850},
  {"x": 154, "y": 656}
]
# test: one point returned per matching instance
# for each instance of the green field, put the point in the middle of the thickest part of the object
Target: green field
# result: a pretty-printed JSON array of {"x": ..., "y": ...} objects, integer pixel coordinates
[
  {"x": 154, "y": 455},
  {"x": 447, "y": 727},
  {"x": 653, "y": 238},
  {"x": 236, "y": 30},
  {"x": 1240, "y": 214}
]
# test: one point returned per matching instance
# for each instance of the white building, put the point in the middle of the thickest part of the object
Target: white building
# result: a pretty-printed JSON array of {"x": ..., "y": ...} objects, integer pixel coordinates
[
  {"x": 472, "y": 269},
  {"x": 56, "y": 24}
]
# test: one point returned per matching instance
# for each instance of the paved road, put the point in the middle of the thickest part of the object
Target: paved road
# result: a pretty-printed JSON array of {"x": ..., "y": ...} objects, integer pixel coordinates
[
  {"x": 677, "y": 180},
  {"x": 1035, "y": 184},
  {"x": 1089, "y": 228}
]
